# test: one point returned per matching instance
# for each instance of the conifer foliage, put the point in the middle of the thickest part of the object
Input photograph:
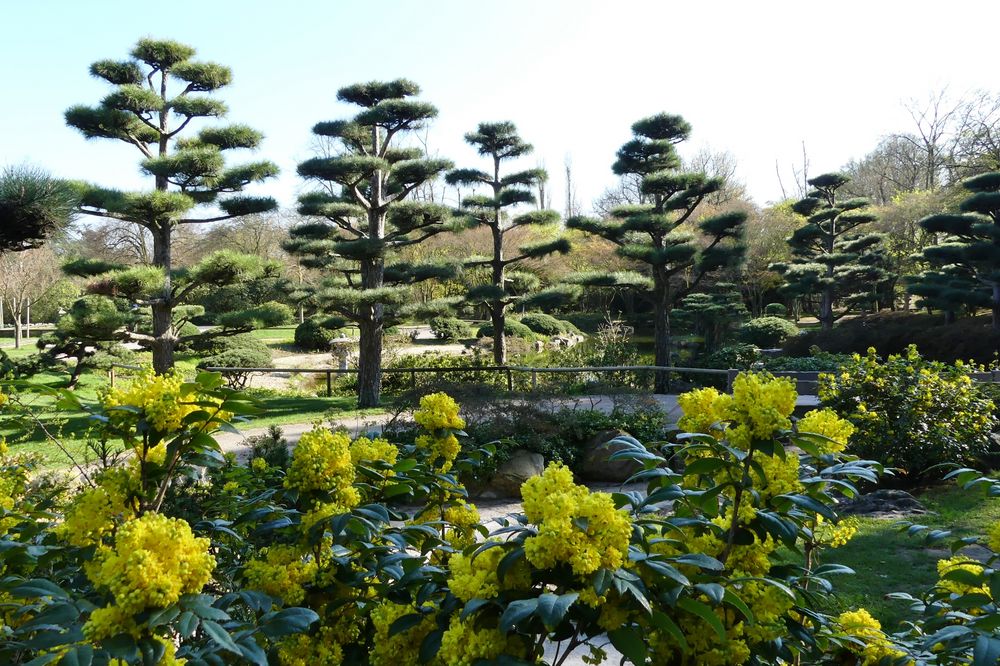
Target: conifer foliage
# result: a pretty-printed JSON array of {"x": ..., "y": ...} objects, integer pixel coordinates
[
  {"x": 364, "y": 215},
  {"x": 159, "y": 92},
  {"x": 965, "y": 265},
  {"x": 677, "y": 248},
  {"x": 831, "y": 257},
  {"x": 500, "y": 143},
  {"x": 33, "y": 206}
]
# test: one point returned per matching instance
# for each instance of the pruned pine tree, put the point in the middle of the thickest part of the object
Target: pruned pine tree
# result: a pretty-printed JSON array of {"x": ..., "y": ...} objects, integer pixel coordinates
[
  {"x": 677, "y": 249},
  {"x": 497, "y": 212},
  {"x": 948, "y": 288},
  {"x": 363, "y": 216},
  {"x": 713, "y": 314},
  {"x": 158, "y": 93},
  {"x": 969, "y": 253},
  {"x": 831, "y": 258},
  {"x": 33, "y": 206}
]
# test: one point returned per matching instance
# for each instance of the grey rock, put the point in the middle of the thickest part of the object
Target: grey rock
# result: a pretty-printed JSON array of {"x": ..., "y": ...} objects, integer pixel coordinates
[
  {"x": 594, "y": 463},
  {"x": 521, "y": 466},
  {"x": 883, "y": 503}
]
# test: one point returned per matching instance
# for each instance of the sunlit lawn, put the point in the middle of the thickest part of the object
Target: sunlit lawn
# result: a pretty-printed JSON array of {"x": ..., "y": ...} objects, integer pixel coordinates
[{"x": 887, "y": 560}]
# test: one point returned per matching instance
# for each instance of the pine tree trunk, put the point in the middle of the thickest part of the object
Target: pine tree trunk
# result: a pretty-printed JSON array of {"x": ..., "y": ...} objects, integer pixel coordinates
[
  {"x": 996, "y": 307},
  {"x": 371, "y": 329},
  {"x": 370, "y": 360},
  {"x": 164, "y": 337},
  {"x": 661, "y": 335},
  {"x": 949, "y": 316},
  {"x": 499, "y": 339},
  {"x": 826, "y": 309}
]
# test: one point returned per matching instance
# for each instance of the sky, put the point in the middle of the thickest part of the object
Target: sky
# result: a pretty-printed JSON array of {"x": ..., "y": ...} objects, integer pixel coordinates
[{"x": 756, "y": 79}]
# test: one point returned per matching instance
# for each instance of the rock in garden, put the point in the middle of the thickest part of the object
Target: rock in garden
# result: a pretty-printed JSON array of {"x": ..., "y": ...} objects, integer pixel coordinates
[
  {"x": 594, "y": 463},
  {"x": 883, "y": 503},
  {"x": 521, "y": 466}
]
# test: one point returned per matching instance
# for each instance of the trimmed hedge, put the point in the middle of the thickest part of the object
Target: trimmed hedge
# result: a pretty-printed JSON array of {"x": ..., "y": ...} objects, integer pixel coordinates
[
  {"x": 768, "y": 332},
  {"x": 310, "y": 335},
  {"x": 450, "y": 328},
  {"x": 546, "y": 324},
  {"x": 969, "y": 338},
  {"x": 511, "y": 328}
]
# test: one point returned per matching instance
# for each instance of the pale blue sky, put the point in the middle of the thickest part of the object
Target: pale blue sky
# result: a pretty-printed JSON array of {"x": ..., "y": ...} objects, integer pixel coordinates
[{"x": 754, "y": 78}]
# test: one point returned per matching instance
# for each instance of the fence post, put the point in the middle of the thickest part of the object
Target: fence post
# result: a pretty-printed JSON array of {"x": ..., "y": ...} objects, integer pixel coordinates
[
  {"x": 111, "y": 376},
  {"x": 413, "y": 379},
  {"x": 329, "y": 383},
  {"x": 730, "y": 376},
  {"x": 534, "y": 379},
  {"x": 510, "y": 381}
]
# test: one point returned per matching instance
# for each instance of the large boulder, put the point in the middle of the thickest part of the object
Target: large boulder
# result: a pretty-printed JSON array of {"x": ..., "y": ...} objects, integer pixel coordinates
[
  {"x": 521, "y": 466},
  {"x": 594, "y": 463}
]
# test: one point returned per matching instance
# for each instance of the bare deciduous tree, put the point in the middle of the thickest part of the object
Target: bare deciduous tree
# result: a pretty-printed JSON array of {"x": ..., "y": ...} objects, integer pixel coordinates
[{"x": 26, "y": 277}]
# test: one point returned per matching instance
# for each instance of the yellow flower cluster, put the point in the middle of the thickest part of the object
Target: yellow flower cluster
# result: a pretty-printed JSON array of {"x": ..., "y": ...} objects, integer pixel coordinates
[
  {"x": 759, "y": 407},
  {"x": 476, "y": 577},
  {"x": 365, "y": 449},
  {"x": 861, "y": 625},
  {"x": 323, "y": 649},
  {"x": 321, "y": 462},
  {"x": 956, "y": 587},
  {"x": 154, "y": 561},
  {"x": 826, "y": 422},
  {"x": 575, "y": 526},
  {"x": 403, "y": 648},
  {"x": 438, "y": 411},
  {"x": 834, "y": 535},
  {"x": 993, "y": 537},
  {"x": 464, "y": 645},
  {"x": 96, "y": 512},
  {"x": 282, "y": 574},
  {"x": 462, "y": 518},
  {"x": 162, "y": 399}
]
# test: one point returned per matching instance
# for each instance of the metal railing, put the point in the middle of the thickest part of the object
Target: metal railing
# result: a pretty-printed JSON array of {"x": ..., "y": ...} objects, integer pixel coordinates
[{"x": 806, "y": 381}]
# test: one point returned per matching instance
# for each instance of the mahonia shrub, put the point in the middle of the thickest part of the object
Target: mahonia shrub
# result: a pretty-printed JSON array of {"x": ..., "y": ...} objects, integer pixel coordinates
[
  {"x": 911, "y": 413},
  {"x": 957, "y": 620},
  {"x": 366, "y": 551}
]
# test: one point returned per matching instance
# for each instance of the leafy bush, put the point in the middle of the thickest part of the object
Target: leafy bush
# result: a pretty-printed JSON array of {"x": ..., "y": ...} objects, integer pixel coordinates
[
  {"x": 367, "y": 552},
  {"x": 511, "y": 328},
  {"x": 775, "y": 310},
  {"x": 611, "y": 346},
  {"x": 271, "y": 448},
  {"x": 450, "y": 328},
  {"x": 310, "y": 335},
  {"x": 236, "y": 351},
  {"x": 768, "y": 332},
  {"x": 732, "y": 357},
  {"x": 818, "y": 361},
  {"x": 909, "y": 412},
  {"x": 274, "y": 313},
  {"x": 546, "y": 324}
]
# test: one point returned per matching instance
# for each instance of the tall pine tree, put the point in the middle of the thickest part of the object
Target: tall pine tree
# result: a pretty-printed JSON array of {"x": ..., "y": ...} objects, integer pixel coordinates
[
  {"x": 678, "y": 249},
  {"x": 500, "y": 143},
  {"x": 158, "y": 93},
  {"x": 363, "y": 215},
  {"x": 831, "y": 258},
  {"x": 966, "y": 264}
]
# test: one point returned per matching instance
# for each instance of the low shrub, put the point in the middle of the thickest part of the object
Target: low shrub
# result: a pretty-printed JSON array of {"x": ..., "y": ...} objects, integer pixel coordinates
[
  {"x": 909, "y": 412},
  {"x": 775, "y": 310},
  {"x": 246, "y": 353},
  {"x": 768, "y": 332},
  {"x": 271, "y": 448},
  {"x": 311, "y": 335},
  {"x": 450, "y": 328},
  {"x": 817, "y": 361},
  {"x": 546, "y": 324},
  {"x": 511, "y": 327}
]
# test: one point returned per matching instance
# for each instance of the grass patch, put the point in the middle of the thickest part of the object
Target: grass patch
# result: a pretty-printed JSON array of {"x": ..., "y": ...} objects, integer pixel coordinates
[{"x": 887, "y": 560}]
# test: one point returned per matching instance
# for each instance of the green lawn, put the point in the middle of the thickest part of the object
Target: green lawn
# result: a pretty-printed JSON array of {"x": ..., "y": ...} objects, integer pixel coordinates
[{"x": 886, "y": 560}]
